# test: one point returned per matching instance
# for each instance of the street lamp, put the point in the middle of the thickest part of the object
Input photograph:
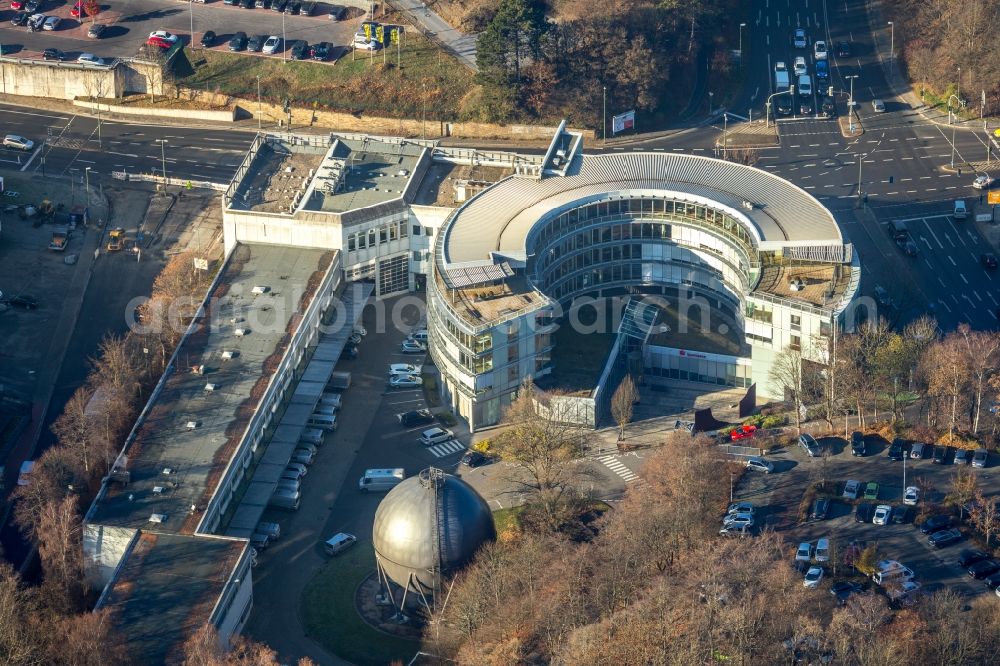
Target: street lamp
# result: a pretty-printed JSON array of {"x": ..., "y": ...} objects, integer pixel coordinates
[
  {"x": 892, "y": 45},
  {"x": 710, "y": 106},
  {"x": 850, "y": 102},
  {"x": 283, "y": 49},
  {"x": 959, "y": 91},
  {"x": 86, "y": 175},
  {"x": 742, "y": 25},
  {"x": 191, "y": 12},
  {"x": 423, "y": 113},
  {"x": 258, "y": 103},
  {"x": 163, "y": 158}
]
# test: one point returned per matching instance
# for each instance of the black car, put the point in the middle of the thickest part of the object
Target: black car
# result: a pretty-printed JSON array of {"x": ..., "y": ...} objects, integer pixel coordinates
[
  {"x": 337, "y": 12},
  {"x": 256, "y": 43},
  {"x": 308, "y": 8},
  {"x": 53, "y": 54},
  {"x": 238, "y": 42},
  {"x": 248, "y": 4},
  {"x": 821, "y": 508},
  {"x": 208, "y": 39},
  {"x": 909, "y": 248},
  {"x": 900, "y": 513},
  {"x": 843, "y": 49},
  {"x": 984, "y": 568},
  {"x": 935, "y": 524},
  {"x": 970, "y": 556},
  {"x": 20, "y": 19},
  {"x": 278, "y": 5},
  {"x": 415, "y": 417},
  {"x": 940, "y": 454},
  {"x": 293, "y": 7},
  {"x": 829, "y": 107},
  {"x": 32, "y": 6},
  {"x": 943, "y": 538},
  {"x": 321, "y": 51},
  {"x": 992, "y": 581},
  {"x": 474, "y": 459},
  {"x": 300, "y": 50},
  {"x": 845, "y": 587},
  {"x": 858, "y": 447},
  {"x": 24, "y": 302},
  {"x": 989, "y": 261},
  {"x": 263, "y": 4},
  {"x": 864, "y": 512},
  {"x": 897, "y": 449}
]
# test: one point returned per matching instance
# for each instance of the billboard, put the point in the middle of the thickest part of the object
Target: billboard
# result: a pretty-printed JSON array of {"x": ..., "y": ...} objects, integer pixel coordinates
[
  {"x": 622, "y": 122},
  {"x": 993, "y": 198}
]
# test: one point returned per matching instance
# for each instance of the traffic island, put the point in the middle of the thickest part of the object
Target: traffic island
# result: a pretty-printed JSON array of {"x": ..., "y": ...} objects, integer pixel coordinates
[
  {"x": 751, "y": 134},
  {"x": 848, "y": 129}
]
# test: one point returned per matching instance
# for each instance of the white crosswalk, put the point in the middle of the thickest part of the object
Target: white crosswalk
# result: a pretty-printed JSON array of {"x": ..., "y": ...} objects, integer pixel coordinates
[
  {"x": 616, "y": 466},
  {"x": 451, "y": 447}
]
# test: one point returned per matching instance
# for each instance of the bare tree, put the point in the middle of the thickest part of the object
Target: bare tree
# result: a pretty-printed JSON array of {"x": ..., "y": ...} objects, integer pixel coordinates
[
  {"x": 203, "y": 649},
  {"x": 945, "y": 366},
  {"x": 18, "y": 642},
  {"x": 623, "y": 404},
  {"x": 543, "y": 448},
  {"x": 60, "y": 550},
  {"x": 786, "y": 375},
  {"x": 86, "y": 639},
  {"x": 964, "y": 486},
  {"x": 982, "y": 351},
  {"x": 53, "y": 477},
  {"x": 75, "y": 431},
  {"x": 985, "y": 515},
  {"x": 117, "y": 367}
]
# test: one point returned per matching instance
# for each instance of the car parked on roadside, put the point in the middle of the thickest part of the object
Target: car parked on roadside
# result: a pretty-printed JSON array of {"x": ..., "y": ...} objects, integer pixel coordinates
[
  {"x": 809, "y": 444},
  {"x": 917, "y": 452},
  {"x": 821, "y": 507},
  {"x": 844, "y": 589},
  {"x": 256, "y": 43},
  {"x": 882, "y": 513},
  {"x": 415, "y": 417},
  {"x": 89, "y": 59},
  {"x": 804, "y": 552},
  {"x": 321, "y": 51},
  {"x": 911, "y": 495},
  {"x": 51, "y": 23},
  {"x": 238, "y": 42},
  {"x": 53, "y": 54},
  {"x": 871, "y": 490},
  {"x": 878, "y": 106},
  {"x": 412, "y": 347},
  {"x": 851, "y": 489},
  {"x": 338, "y": 543},
  {"x": 863, "y": 512},
  {"x": 20, "y": 19},
  {"x": 970, "y": 556},
  {"x": 858, "y": 447},
  {"x": 813, "y": 578},
  {"x": 963, "y": 457},
  {"x": 746, "y": 431},
  {"x": 96, "y": 30},
  {"x": 405, "y": 381},
  {"x": 759, "y": 464},
  {"x": 896, "y": 450},
  {"x": 822, "y": 553},
  {"x": 740, "y": 507},
  {"x": 900, "y": 514},
  {"x": 940, "y": 454},
  {"x": 162, "y": 39},
  {"x": 980, "y": 457},
  {"x": 983, "y": 568},
  {"x": 300, "y": 51},
  {"x": 272, "y": 45},
  {"x": 474, "y": 459},
  {"x": 738, "y": 520},
  {"x": 208, "y": 39}
]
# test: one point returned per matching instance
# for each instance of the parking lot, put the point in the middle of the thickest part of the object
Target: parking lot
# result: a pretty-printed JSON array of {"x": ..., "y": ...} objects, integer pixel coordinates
[
  {"x": 130, "y": 22},
  {"x": 776, "y": 497}
]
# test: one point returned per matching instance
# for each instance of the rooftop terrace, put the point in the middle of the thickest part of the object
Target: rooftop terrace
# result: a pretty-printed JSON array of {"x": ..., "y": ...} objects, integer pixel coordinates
[
  {"x": 819, "y": 285},
  {"x": 192, "y": 428}
]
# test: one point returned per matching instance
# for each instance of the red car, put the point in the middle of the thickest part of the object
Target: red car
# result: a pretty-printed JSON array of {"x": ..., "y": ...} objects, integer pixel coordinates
[
  {"x": 743, "y": 432},
  {"x": 17, "y": 4},
  {"x": 77, "y": 10},
  {"x": 161, "y": 38}
]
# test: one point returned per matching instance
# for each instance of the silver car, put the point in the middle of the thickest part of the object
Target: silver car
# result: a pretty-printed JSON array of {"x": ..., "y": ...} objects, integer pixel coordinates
[
  {"x": 18, "y": 142},
  {"x": 272, "y": 45}
]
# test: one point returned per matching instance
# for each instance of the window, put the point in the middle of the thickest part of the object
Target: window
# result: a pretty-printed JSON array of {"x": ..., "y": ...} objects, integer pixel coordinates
[
  {"x": 371, "y": 238},
  {"x": 416, "y": 229},
  {"x": 393, "y": 230},
  {"x": 796, "y": 323},
  {"x": 416, "y": 255},
  {"x": 351, "y": 242},
  {"x": 402, "y": 230},
  {"x": 824, "y": 329},
  {"x": 361, "y": 241},
  {"x": 381, "y": 235},
  {"x": 796, "y": 343}
]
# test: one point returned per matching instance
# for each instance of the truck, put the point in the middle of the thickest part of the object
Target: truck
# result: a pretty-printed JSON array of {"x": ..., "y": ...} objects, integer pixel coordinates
[
  {"x": 116, "y": 239},
  {"x": 781, "y": 81},
  {"x": 60, "y": 237}
]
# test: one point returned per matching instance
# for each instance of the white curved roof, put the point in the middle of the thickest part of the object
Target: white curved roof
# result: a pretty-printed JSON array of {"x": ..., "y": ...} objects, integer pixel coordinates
[{"x": 500, "y": 217}]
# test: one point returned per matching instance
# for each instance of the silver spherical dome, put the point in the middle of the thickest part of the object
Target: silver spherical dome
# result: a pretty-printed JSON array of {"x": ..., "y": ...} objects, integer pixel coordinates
[{"x": 413, "y": 512}]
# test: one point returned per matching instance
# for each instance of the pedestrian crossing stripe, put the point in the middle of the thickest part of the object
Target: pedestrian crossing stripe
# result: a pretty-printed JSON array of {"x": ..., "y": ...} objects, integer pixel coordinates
[
  {"x": 451, "y": 447},
  {"x": 612, "y": 463}
]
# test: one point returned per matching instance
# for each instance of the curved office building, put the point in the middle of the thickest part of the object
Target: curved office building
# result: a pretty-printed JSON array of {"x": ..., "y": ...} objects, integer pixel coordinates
[{"x": 762, "y": 253}]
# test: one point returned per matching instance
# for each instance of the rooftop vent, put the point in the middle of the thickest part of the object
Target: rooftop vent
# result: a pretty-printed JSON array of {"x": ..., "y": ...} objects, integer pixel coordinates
[
  {"x": 158, "y": 518},
  {"x": 260, "y": 289}
]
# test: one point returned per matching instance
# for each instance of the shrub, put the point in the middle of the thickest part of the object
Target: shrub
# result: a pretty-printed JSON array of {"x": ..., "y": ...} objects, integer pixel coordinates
[
  {"x": 805, "y": 505},
  {"x": 482, "y": 446},
  {"x": 959, "y": 440},
  {"x": 774, "y": 421},
  {"x": 886, "y": 430}
]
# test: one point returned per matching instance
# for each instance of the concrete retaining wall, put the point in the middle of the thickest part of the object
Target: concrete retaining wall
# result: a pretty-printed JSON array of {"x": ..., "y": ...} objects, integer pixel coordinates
[
  {"x": 194, "y": 114},
  {"x": 61, "y": 80}
]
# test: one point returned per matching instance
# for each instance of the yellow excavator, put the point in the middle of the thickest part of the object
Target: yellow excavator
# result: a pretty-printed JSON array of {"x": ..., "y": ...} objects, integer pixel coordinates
[{"x": 116, "y": 239}]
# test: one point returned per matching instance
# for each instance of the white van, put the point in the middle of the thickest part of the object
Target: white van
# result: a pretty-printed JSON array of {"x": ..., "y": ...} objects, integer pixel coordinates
[
  {"x": 285, "y": 499},
  {"x": 381, "y": 479},
  {"x": 897, "y": 573},
  {"x": 312, "y": 436},
  {"x": 339, "y": 543},
  {"x": 805, "y": 86},
  {"x": 322, "y": 421},
  {"x": 960, "y": 212},
  {"x": 433, "y": 436}
]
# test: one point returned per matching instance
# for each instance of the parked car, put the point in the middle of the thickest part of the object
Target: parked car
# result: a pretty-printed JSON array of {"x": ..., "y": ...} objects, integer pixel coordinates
[
  {"x": 760, "y": 465},
  {"x": 321, "y": 50},
  {"x": 963, "y": 457},
  {"x": 858, "y": 447},
  {"x": 76, "y": 11},
  {"x": 878, "y": 106},
  {"x": 845, "y": 588},
  {"x": 370, "y": 45},
  {"x": 89, "y": 59},
  {"x": 733, "y": 530},
  {"x": 17, "y": 5},
  {"x": 51, "y": 23},
  {"x": 863, "y": 514},
  {"x": 843, "y": 49},
  {"x": 813, "y": 578},
  {"x": 248, "y": 4},
  {"x": 262, "y": 4},
  {"x": 412, "y": 347},
  {"x": 35, "y": 21},
  {"x": 308, "y": 8},
  {"x": 896, "y": 449},
  {"x": 743, "y": 432},
  {"x": 238, "y": 41},
  {"x": 303, "y": 457},
  {"x": 96, "y": 30},
  {"x": 405, "y": 381},
  {"x": 804, "y": 552},
  {"x": 208, "y": 39},
  {"x": 809, "y": 444},
  {"x": 822, "y": 553},
  {"x": 943, "y": 538},
  {"x": 53, "y": 54},
  {"x": 433, "y": 436},
  {"x": 911, "y": 495},
  {"x": 300, "y": 51},
  {"x": 882, "y": 513},
  {"x": 917, "y": 452},
  {"x": 415, "y": 417},
  {"x": 980, "y": 457},
  {"x": 18, "y": 142},
  {"x": 740, "y": 507},
  {"x": 940, "y": 454},
  {"x": 984, "y": 568},
  {"x": 821, "y": 507},
  {"x": 256, "y": 43},
  {"x": 162, "y": 39},
  {"x": 871, "y": 491},
  {"x": 337, "y": 12},
  {"x": 474, "y": 459},
  {"x": 934, "y": 524},
  {"x": 851, "y": 489},
  {"x": 20, "y": 19},
  {"x": 970, "y": 556},
  {"x": 293, "y": 7},
  {"x": 338, "y": 543},
  {"x": 278, "y": 5},
  {"x": 992, "y": 581},
  {"x": 405, "y": 369},
  {"x": 738, "y": 520},
  {"x": 900, "y": 513}
]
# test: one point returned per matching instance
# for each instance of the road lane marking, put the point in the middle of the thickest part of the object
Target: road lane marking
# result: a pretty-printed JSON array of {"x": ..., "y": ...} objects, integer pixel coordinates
[
  {"x": 960, "y": 275},
  {"x": 976, "y": 294},
  {"x": 952, "y": 260}
]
